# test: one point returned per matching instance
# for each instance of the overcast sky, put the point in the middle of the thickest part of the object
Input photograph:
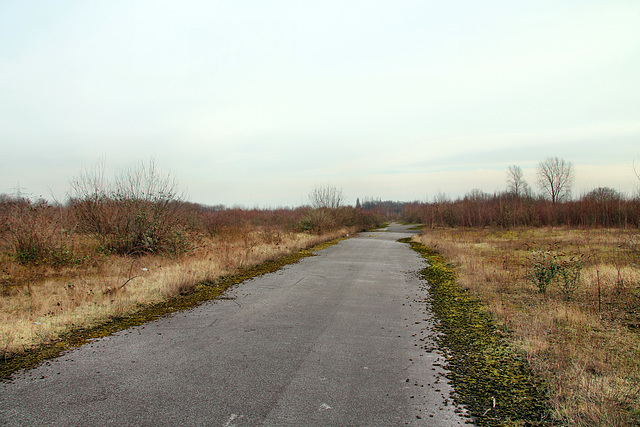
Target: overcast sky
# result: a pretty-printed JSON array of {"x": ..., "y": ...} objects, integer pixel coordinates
[{"x": 254, "y": 103}]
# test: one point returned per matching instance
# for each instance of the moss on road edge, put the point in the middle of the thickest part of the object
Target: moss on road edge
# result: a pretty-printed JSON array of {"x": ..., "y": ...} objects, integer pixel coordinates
[
  {"x": 489, "y": 379},
  {"x": 201, "y": 293}
]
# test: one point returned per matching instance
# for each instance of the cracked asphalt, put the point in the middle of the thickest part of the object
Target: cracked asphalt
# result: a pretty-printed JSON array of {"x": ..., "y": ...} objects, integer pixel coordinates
[{"x": 343, "y": 338}]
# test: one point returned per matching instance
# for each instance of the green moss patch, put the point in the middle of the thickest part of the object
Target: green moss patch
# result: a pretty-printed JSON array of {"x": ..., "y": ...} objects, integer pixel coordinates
[
  {"x": 489, "y": 378},
  {"x": 203, "y": 292}
]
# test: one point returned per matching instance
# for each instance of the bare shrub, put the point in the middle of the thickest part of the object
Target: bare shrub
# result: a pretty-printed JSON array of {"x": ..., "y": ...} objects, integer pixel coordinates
[
  {"x": 140, "y": 212},
  {"x": 35, "y": 234},
  {"x": 327, "y": 196},
  {"x": 328, "y": 212},
  {"x": 319, "y": 220}
]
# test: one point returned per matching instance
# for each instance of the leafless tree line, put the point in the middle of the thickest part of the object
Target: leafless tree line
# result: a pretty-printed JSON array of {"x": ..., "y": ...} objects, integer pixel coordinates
[{"x": 555, "y": 178}]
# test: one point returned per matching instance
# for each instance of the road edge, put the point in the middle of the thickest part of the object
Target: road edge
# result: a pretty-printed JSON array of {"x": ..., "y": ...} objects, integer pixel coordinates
[{"x": 201, "y": 293}]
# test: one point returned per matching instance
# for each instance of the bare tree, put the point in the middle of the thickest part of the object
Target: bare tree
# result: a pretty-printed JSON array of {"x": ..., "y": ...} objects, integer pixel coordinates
[
  {"x": 326, "y": 196},
  {"x": 477, "y": 195},
  {"x": 555, "y": 178},
  {"x": 515, "y": 181}
]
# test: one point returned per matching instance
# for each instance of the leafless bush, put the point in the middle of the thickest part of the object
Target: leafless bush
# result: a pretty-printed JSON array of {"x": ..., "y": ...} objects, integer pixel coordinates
[
  {"x": 322, "y": 220},
  {"x": 140, "y": 212},
  {"x": 329, "y": 213},
  {"x": 319, "y": 220},
  {"x": 34, "y": 232},
  {"x": 327, "y": 196}
]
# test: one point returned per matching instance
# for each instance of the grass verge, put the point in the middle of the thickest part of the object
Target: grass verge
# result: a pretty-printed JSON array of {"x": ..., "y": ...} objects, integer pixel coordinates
[
  {"x": 584, "y": 345},
  {"x": 204, "y": 291},
  {"x": 490, "y": 379}
]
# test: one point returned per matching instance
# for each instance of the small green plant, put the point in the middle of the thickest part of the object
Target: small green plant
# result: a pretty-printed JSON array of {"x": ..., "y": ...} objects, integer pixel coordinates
[
  {"x": 550, "y": 267},
  {"x": 569, "y": 271},
  {"x": 545, "y": 268}
]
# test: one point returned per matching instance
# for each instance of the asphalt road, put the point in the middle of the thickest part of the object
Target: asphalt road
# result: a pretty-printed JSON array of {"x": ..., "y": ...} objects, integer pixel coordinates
[{"x": 335, "y": 340}]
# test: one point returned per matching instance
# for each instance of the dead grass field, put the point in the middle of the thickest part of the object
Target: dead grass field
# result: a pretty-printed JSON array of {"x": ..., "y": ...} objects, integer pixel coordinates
[
  {"x": 39, "y": 303},
  {"x": 587, "y": 347}
]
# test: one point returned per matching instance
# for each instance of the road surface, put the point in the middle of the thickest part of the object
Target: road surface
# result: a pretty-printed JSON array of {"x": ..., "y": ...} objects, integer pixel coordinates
[{"x": 339, "y": 339}]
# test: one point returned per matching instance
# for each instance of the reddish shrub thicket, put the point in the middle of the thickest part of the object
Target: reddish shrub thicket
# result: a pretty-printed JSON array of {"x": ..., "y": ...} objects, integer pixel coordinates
[
  {"x": 41, "y": 233},
  {"x": 596, "y": 209},
  {"x": 33, "y": 231}
]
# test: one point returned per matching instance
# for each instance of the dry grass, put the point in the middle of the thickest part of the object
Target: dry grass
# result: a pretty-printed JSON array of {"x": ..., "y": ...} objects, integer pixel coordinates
[
  {"x": 587, "y": 349},
  {"x": 39, "y": 303}
]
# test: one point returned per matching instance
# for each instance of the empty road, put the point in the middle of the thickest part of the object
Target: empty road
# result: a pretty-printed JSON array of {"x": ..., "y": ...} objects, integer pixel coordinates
[{"x": 338, "y": 339}]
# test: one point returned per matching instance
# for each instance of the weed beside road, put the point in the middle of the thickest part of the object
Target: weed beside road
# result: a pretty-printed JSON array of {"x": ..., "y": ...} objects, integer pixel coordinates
[
  {"x": 579, "y": 334},
  {"x": 493, "y": 383}
]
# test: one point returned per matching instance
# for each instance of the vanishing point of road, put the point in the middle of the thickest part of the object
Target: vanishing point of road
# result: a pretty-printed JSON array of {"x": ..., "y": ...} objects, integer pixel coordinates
[{"x": 343, "y": 338}]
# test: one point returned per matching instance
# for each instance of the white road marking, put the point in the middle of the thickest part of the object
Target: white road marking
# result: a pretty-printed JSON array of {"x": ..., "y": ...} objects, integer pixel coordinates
[{"x": 231, "y": 419}]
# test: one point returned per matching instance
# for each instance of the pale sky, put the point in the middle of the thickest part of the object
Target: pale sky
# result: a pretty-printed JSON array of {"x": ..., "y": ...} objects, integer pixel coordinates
[{"x": 254, "y": 103}]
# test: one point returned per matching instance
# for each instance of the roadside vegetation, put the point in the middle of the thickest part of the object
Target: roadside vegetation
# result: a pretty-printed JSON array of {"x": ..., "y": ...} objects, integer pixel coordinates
[
  {"x": 121, "y": 245},
  {"x": 563, "y": 281},
  {"x": 560, "y": 276},
  {"x": 493, "y": 382},
  {"x": 580, "y": 331}
]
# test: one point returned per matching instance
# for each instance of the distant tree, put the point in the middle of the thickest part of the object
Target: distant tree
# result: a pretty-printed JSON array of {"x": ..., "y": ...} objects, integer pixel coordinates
[
  {"x": 603, "y": 194},
  {"x": 477, "y": 195},
  {"x": 516, "y": 183},
  {"x": 603, "y": 206},
  {"x": 441, "y": 198},
  {"x": 326, "y": 196},
  {"x": 555, "y": 178}
]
